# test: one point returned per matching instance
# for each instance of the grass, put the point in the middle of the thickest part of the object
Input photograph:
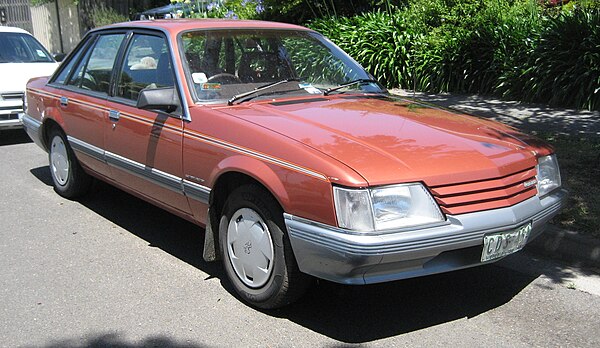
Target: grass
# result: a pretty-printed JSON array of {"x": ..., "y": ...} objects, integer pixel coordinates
[{"x": 579, "y": 160}]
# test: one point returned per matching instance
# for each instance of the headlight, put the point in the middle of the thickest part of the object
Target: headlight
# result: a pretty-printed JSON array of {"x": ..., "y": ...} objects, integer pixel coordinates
[
  {"x": 548, "y": 175},
  {"x": 385, "y": 208}
]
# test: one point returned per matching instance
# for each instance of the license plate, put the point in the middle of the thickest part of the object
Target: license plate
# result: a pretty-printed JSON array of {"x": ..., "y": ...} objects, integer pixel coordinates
[{"x": 497, "y": 245}]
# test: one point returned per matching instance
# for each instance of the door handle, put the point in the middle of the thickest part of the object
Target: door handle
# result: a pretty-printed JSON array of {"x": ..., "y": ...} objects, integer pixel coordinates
[
  {"x": 64, "y": 101},
  {"x": 114, "y": 115}
]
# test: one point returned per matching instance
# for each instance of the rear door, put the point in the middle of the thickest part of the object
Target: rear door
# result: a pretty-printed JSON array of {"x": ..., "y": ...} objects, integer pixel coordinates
[
  {"x": 82, "y": 98},
  {"x": 144, "y": 148}
]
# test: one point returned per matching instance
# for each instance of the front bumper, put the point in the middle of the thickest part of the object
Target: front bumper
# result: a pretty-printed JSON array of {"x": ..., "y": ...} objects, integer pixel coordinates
[{"x": 334, "y": 254}]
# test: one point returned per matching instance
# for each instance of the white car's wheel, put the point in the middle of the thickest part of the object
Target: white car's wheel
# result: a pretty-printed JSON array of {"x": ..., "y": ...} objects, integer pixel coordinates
[
  {"x": 256, "y": 252},
  {"x": 70, "y": 181}
]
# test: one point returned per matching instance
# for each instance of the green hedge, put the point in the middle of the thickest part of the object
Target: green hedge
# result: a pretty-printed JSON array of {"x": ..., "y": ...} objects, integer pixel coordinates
[{"x": 510, "y": 48}]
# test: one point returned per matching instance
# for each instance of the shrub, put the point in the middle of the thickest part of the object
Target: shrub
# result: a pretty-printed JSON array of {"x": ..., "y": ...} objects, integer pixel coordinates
[
  {"x": 102, "y": 15},
  {"x": 564, "y": 68},
  {"x": 510, "y": 48}
]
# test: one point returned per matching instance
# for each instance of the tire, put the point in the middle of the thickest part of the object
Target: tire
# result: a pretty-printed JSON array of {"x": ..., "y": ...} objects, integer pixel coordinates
[
  {"x": 69, "y": 179},
  {"x": 256, "y": 252}
]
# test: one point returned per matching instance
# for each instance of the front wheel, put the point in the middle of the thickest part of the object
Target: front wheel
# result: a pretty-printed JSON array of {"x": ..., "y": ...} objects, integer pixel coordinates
[
  {"x": 256, "y": 252},
  {"x": 70, "y": 181}
]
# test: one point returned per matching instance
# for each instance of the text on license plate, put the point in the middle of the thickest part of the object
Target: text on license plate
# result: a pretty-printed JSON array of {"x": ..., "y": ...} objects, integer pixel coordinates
[{"x": 500, "y": 244}]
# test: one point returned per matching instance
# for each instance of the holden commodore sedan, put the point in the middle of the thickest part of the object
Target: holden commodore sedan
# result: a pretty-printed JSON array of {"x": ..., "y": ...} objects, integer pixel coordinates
[{"x": 295, "y": 160}]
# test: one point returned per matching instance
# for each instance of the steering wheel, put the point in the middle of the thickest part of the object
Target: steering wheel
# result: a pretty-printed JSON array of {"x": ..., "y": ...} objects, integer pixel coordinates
[{"x": 224, "y": 78}]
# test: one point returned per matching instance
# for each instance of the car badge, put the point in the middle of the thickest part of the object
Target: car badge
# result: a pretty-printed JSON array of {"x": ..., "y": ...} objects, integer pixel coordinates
[{"x": 530, "y": 183}]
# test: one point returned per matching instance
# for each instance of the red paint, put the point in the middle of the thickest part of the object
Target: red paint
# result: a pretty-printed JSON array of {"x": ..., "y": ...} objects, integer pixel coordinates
[{"x": 298, "y": 151}]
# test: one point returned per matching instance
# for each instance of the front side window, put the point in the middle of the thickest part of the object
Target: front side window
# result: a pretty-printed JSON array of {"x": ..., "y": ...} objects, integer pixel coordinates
[
  {"x": 94, "y": 71},
  {"x": 147, "y": 64},
  {"x": 225, "y": 63},
  {"x": 22, "y": 48}
]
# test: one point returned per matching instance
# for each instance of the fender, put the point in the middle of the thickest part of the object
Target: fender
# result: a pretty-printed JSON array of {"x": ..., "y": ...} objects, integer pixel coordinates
[
  {"x": 52, "y": 113},
  {"x": 256, "y": 169}
]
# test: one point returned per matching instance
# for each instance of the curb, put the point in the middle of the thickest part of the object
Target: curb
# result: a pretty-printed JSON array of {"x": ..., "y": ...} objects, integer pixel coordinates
[{"x": 569, "y": 246}]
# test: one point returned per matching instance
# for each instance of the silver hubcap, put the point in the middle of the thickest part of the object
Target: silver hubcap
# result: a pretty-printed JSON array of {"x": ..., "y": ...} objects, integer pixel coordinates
[
  {"x": 59, "y": 162},
  {"x": 250, "y": 248}
]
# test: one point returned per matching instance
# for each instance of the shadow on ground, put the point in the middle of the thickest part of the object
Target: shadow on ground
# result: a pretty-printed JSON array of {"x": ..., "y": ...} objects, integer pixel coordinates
[
  {"x": 366, "y": 313},
  {"x": 350, "y": 314},
  {"x": 13, "y": 137},
  {"x": 526, "y": 117},
  {"x": 114, "y": 341}
]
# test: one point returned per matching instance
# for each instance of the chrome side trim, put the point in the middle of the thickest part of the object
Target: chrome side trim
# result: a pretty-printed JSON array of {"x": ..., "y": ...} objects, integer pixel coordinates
[
  {"x": 87, "y": 149},
  {"x": 163, "y": 179},
  {"x": 169, "y": 181},
  {"x": 196, "y": 191}
]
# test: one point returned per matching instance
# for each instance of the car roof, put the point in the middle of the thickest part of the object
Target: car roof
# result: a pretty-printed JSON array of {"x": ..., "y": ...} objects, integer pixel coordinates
[
  {"x": 178, "y": 25},
  {"x": 13, "y": 30}
]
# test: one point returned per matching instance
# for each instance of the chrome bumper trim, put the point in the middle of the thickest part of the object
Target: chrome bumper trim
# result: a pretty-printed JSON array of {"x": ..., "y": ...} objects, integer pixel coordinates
[
  {"x": 334, "y": 254},
  {"x": 32, "y": 127}
]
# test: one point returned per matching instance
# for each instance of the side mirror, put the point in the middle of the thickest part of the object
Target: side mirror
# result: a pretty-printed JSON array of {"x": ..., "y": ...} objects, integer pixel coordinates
[
  {"x": 164, "y": 99},
  {"x": 59, "y": 57}
]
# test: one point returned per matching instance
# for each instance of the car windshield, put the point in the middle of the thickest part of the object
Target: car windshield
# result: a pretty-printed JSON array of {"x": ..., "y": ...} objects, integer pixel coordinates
[
  {"x": 226, "y": 64},
  {"x": 22, "y": 48}
]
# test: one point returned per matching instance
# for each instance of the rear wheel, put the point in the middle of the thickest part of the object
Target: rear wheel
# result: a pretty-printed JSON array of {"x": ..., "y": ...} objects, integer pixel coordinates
[
  {"x": 70, "y": 181},
  {"x": 256, "y": 252}
]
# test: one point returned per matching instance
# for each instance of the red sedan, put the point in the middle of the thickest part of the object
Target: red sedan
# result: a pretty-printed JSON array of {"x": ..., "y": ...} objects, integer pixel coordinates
[{"x": 295, "y": 159}]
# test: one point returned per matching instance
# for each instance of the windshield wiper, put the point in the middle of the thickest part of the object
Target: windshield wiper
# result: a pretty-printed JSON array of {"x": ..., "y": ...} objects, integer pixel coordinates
[
  {"x": 259, "y": 89},
  {"x": 348, "y": 84}
]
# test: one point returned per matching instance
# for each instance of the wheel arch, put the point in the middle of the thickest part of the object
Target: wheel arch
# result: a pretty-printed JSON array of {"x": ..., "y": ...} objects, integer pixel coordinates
[
  {"x": 232, "y": 173},
  {"x": 51, "y": 118},
  {"x": 47, "y": 127}
]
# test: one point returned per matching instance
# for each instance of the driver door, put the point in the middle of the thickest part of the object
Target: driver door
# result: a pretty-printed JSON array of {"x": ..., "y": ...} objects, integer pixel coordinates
[{"x": 144, "y": 147}]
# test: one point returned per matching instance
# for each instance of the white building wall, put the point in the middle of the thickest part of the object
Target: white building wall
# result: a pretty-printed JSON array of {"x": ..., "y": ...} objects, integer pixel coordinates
[{"x": 46, "y": 28}]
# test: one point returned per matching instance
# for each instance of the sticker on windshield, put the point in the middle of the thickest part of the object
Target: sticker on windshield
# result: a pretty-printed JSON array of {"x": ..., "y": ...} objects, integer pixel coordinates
[
  {"x": 309, "y": 88},
  {"x": 210, "y": 86},
  {"x": 199, "y": 77},
  {"x": 41, "y": 53}
]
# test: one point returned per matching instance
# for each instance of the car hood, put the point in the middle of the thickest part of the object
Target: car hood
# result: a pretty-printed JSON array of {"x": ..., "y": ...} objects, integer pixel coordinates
[
  {"x": 389, "y": 140},
  {"x": 15, "y": 75}
]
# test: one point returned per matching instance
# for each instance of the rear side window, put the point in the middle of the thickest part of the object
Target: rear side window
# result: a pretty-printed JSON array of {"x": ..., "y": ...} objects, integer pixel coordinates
[
  {"x": 95, "y": 69},
  {"x": 147, "y": 64}
]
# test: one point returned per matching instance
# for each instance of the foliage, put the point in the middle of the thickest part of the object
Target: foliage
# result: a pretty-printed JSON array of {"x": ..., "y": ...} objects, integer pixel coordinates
[
  {"x": 301, "y": 11},
  {"x": 580, "y": 166},
  {"x": 43, "y": 2},
  {"x": 102, "y": 15},
  {"x": 564, "y": 67},
  {"x": 233, "y": 9},
  {"x": 511, "y": 48}
]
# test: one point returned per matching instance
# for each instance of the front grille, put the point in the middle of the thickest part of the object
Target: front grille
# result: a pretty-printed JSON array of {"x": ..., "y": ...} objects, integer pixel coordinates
[
  {"x": 9, "y": 117},
  {"x": 12, "y": 96},
  {"x": 485, "y": 194}
]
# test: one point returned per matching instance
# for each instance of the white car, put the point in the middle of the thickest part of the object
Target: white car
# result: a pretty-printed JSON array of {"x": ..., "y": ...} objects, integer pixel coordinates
[{"x": 22, "y": 57}]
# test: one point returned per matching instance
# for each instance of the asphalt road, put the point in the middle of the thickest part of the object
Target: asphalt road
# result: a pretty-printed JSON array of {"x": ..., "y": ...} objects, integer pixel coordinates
[{"x": 112, "y": 270}]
